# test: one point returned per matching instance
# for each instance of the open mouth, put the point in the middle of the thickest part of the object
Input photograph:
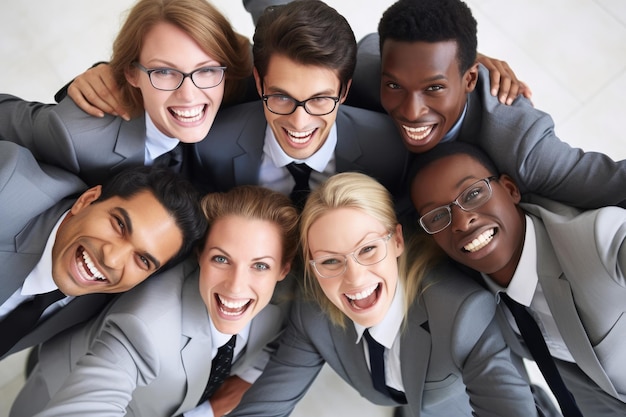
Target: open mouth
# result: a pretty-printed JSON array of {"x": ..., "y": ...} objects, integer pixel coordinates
[
  {"x": 188, "y": 115},
  {"x": 480, "y": 241},
  {"x": 87, "y": 266},
  {"x": 300, "y": 137},
  {"x": 365, "y": 298},
  {"x": 418, "y": 133},
  {"x": 230, "y": 307}
]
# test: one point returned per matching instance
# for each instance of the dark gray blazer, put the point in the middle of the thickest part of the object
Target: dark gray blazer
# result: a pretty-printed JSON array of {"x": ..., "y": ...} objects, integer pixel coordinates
[
  {"x": 32, "y": 199},
  {"x": 232, "y": 152}
]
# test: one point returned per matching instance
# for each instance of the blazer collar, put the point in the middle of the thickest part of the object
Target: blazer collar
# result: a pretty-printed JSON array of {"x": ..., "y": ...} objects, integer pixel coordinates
[
  {"x": 250, "y": 139},
  {"x": 130, "y": 142},
  {"x": 559, "y": 297}
]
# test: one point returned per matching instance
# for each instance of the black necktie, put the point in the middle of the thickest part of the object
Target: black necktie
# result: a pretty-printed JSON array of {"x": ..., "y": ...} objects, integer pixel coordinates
[
  {"x": 377, "y": 366},
  {"x": 220, "y": 369},
  {"x": 172, "y": 159},
  {"x": 301, "y": 174},
  {"x": 23, "y": 319},
  {"x": 539, "y": 350}
]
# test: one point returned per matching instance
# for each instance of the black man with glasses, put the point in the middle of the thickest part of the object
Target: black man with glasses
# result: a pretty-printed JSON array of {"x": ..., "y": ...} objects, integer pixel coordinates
[
  {"x": 565, "y": 266},
  {"x": 302, "y": 76}
]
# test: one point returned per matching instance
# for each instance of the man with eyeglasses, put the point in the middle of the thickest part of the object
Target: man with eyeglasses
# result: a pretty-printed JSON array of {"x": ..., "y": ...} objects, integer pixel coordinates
[
  {"x": 303, "y": 76},
  {"x": 565, "y": 266}
]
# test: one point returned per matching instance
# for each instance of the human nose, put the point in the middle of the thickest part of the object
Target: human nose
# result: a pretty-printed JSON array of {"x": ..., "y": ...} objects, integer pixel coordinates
[
  {"x": 187, "y": 89},
  {"x": 414, "y": 106},
  {"x": 299, "y": 118},
  {"x": 234, "y": 283},
  {"x": 116, "y": 254},
  {"x": 461, "y": 220},
  {"x": 353, "y": 269}
]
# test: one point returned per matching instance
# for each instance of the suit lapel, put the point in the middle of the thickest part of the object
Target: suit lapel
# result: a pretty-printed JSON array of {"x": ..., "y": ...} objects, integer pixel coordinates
[
  {"x": 348, "y": 149},
  {"x": 559, "y": 297},
  {"x": 251, "y": 139},
  {"x": 264, "y": 328},
  {"x": 415, "y": 350},
  {"x": 195, "y": 326},
  {"x": 130, "y": 143}
]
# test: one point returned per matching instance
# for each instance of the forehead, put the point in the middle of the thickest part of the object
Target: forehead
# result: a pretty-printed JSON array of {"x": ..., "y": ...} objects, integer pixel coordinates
[
  {"x": 343, "y": 228},
  {"x": 420, "y": 58},
  {"x": 261, "y": 237},
  {"x": 452, "y": 169},
  {"x": 170, "y": 43},
  {"x": 286, "y": 75}
]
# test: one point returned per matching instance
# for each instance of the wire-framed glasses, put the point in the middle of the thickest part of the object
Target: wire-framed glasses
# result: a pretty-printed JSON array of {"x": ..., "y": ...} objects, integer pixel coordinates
[
  {"x": 471, "y": 198},
  {"x": 369, "y": 253}
]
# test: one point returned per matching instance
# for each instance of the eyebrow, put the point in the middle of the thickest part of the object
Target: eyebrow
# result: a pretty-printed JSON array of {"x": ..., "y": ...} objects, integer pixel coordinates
[
  {"x": 129, "y": 227},
  {"x": 158, "y": 63},
  {"x": 432, "y": 203},
  {"x": 258, "y": 258},
  {"x": 277, "y": 90}
]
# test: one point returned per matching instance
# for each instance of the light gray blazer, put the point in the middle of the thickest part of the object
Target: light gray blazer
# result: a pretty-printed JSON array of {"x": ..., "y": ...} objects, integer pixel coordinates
[
  {"x": 581, "y": 262},
  {"x": 454, "y": 359},
  {"x": 519, "y": 138},
  {"x": 147, "y": 355},
  {"x": 63, "y": 135},
  {"x": 33, "y": 198}
]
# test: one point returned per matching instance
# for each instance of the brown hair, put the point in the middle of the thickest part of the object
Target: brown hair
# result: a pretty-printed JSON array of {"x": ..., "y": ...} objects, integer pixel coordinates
[
  {"x": 256, "y": 202},
  {"x": 308, "y": 32},
  {"x": 202, "y": 22}
]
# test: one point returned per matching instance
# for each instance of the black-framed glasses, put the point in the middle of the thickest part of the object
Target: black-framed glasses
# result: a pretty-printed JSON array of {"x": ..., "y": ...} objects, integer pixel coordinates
[
  {"x": 170, "y": 79},
  {"x": 369, "y": 253},
  {"x": 471, "y": 198},
  {"x": 284, "y": 105}
]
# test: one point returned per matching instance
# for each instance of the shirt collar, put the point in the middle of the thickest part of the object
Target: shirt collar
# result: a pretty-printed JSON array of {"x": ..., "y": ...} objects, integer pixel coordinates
[
  {"x": 386, "y": 331},
  {"x": 219, "y": 339},
  {"x": 318, "y": 161},
  {"x": 453, "y": 133},
  {"x": 40, "y": 280},
  {"x": 525, "y": 279},
  {"x": 157, "y": 143}
]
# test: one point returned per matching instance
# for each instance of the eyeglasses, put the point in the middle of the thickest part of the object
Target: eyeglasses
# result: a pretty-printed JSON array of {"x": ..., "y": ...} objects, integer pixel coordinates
[
  {"x": 284, "y": 105},
  {"x": 471, "y": 198},
  {"x": 369, "y": 253},
  {"x": 169, "y": 79}
]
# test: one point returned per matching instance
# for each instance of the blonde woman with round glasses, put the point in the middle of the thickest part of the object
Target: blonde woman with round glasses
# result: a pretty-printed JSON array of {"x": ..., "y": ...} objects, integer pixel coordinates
[{"x": 442, "y": 353}]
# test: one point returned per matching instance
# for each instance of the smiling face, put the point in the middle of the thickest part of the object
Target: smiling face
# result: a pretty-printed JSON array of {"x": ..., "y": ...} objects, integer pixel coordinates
[
  {"x": 112, "y": 245},
  {"x": 489, "y": 238},
  {"x": 299, "y": 134},
  {"x": 239, "y": 267},
  {"x": 188, "y": 112},
  {"x": 363, "y": 293},
  {"x": 423, "y": 91}
]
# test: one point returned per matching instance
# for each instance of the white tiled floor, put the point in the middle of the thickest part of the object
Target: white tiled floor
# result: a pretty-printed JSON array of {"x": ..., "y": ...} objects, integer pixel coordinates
[{"x": 571, "y": 52}]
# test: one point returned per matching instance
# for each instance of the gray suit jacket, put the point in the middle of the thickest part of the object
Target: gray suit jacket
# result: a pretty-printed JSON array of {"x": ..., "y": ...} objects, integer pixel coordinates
[
  {"x": 454, "y": 359},
  {"x": 232, "y": 152},
  {"x": 581, "y": 259},
  {"x": 32, "y": 199},
  {"x": 63, "y": 135},
  {"x": 519, "y": 139},
  {"x": 147, "y": 355}
]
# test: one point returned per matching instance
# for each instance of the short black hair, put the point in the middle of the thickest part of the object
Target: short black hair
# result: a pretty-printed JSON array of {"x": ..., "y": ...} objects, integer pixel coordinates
[
  {"x": 445, "y": 149},
  {"x": 432, "y": 21},
  {"x": 179, "y": 198}
]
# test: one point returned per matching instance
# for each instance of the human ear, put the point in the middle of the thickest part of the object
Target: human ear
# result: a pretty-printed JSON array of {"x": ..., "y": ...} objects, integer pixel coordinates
[
  {"x": 511, "y": 188},
  {"x": 344, "y": 94},
  {"x": 86, "y": 199},
  {"x": 257, "y": 81},
  {"x": 470, "y": 78}
]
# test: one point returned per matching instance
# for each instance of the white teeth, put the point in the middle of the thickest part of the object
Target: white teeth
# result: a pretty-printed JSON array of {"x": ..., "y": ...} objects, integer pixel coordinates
[
  {"x": 300, "y": 137},
  {"x": 418, "y": 133},
  {"x": 233, "y": 304},
  {"x": 190, "y": 115},
  {"x": 362, "y": 294},
  {"x": 480, "y": 242},
  {"x": 97, "y": 275}
]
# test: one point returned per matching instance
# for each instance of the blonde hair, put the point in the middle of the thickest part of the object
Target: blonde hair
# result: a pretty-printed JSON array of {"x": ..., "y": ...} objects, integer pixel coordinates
[
  {"x": 361, "y": 192},
  {"x": 256, "y": 202},
  {"x": 198, "y": 19}
]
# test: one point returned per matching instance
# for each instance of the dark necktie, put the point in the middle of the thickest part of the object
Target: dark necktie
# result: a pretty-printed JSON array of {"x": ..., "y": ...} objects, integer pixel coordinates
[
  {"x": 172, "y": 159},
  {"x": 377, "y": 366},
  {"x": 301, "y": 174},
  {"x": 23, "y": 319},
  {"x": 539, "y": 350},
  {"x": 220, "y": 369}
]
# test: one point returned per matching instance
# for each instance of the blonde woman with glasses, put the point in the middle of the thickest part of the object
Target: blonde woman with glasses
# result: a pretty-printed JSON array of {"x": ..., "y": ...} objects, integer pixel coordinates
[{"x": 422, "y": 338}]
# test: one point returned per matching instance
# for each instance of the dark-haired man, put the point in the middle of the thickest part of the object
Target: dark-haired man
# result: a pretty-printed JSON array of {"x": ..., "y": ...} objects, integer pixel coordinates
[{"x": 105, "y": 241}]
